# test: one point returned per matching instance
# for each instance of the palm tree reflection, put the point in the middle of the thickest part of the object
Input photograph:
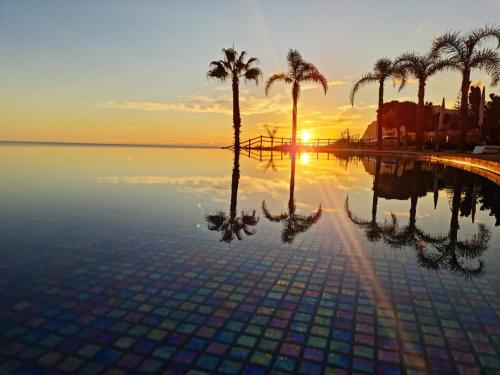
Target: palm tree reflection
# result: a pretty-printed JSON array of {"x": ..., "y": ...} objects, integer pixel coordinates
[
  {"x": 459, "y": 256},
  {"x": 230, "y": 225},
  {"x": 293, "y": 223},
  {"x": 373, "y": 229},
  {"x": 411, "y": 235},
  {"x": 433, "y": 252}
]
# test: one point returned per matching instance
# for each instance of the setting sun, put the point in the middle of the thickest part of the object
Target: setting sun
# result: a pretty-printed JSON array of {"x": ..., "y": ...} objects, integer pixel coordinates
[
  {"x": 306, "y": 136},
  {"x": 236, "y": 187}
]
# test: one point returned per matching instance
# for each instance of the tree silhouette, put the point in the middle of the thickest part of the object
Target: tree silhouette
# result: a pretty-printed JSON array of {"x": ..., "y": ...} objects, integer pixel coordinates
[
  {"x": 434, "y": 252},
  {"x": 299, "y": 71},
  {"x": 230, "y": 225},
  {"x": 454, "y": 254},
  {"x": 422, "y": 67},
  {"x": 234, "y": 67},
  {"x": 466, "y": 54},
  {"x": 292, "y": 222},
  {"x": 373, "y": 229},
  {"x": 411, "y": 235},
  {"x": 383, "y": 69}
]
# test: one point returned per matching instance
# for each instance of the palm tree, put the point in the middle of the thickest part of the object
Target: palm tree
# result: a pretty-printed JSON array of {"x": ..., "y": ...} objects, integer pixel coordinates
[
  {"x": 421, "y": 67},
  {"x": 466, "y": 54},
  {"x": 231, "y": 225},
  {"x": 293, "y": 223},
  {"x": 373, "y": 229},
  {"x": 299, "y": 71},
  {"x": 234, "y": 67},
  {"x": 383, "y": 69}
]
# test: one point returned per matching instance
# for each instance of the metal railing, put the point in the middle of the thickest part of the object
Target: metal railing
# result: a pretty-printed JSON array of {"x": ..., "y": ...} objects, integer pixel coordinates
[{"x": 263, "y": 142}]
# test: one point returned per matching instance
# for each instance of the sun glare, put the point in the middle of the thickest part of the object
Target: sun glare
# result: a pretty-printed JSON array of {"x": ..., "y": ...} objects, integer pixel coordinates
[
  {"x": 306, "y": 136},
  {"x": 305, "y": 157}
]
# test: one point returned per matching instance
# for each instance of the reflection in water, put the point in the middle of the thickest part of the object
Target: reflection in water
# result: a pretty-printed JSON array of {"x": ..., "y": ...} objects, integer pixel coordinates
[
  {"x": 293, "y": 223},
  {"x": 459, "y": 256},
  {"x": 231, "y": 225},
  {"x": 373, "y": 229},
  {"x": 434, "y": 252}
]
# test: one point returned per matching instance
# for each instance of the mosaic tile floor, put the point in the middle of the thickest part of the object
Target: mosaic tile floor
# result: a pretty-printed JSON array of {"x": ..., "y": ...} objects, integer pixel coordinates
[
  {"x": 107, "y": 267},
  {"x": 148, "y": 304}
]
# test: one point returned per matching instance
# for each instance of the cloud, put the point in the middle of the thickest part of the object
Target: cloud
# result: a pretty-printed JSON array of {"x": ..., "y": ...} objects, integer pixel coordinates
[
  {"x": 206, "y": 185},
  {"x": 203, "y": 103},
  {"x": 336, "y": 82},
  {"x": 216, "y": 103}
]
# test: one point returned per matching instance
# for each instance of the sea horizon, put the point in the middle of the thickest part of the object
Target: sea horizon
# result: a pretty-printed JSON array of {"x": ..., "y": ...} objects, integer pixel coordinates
[{"x": 97, "y": 144}]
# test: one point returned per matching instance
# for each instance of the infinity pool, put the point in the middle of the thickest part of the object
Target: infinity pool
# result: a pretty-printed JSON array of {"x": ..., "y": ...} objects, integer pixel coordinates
[{"x": 145, "y": 260}]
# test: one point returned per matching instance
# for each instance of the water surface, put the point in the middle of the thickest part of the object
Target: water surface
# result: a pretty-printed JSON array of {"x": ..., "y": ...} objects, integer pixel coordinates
[{"x": 187, "y": 259}]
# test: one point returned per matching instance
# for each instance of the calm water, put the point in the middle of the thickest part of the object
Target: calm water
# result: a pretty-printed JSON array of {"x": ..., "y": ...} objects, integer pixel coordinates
[{"x": 145, "y": 260}]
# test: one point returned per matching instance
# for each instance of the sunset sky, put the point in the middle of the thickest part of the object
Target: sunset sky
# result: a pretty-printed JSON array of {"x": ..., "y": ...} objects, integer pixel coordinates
[{"x": 120, "y": 71}]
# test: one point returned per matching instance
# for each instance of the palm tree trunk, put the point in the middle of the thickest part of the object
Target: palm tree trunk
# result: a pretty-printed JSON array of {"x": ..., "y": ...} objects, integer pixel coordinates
[
  {"x": 417, "y": 166},
  {"x": 295, "y": 95},
  {"x": 291, "y": 200},
  {"x": 420, "y": 116},
  {"x": 379, "y": 115},
  {"x": 234, "y": 184},
  {"x": 376, "y": 189},
  {"x": 455, "y": 206},
  {"x": 464, "y": 109},
  {"x": 236, "y": 115}
]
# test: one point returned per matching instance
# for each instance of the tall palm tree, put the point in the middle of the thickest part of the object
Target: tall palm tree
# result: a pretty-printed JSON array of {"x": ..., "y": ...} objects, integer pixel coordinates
[
  {"x": 231, "y": 225},
  {"x": 383, "y": 69},
  {"x": 421, "y": 67},
  {"x": 466, "y": 54},
  {"x": 234, "y": 66},
  {"x": 293, "y": 223},
  {"x": 299, "y": 71}
]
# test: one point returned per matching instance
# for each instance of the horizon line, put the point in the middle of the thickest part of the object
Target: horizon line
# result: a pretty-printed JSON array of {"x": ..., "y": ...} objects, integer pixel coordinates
[{"x": 97, "y": 144}]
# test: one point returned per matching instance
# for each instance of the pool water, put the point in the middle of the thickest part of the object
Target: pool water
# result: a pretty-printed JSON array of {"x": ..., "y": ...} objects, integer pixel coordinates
[{"x": 147, "y": 260}]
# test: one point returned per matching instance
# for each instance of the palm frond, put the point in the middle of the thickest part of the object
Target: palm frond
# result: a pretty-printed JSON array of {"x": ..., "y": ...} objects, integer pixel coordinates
[
  {"x": 355, "y": 219},
  {"x": 442, "y": 65},
  {"x": 478, "y": 36},
  {"x": 275, "y": 78},
  {"x": 218, "y": 70},
  {"x": 271, "y": 217},
  {"x": 242, "y": 56},
  {"x": 230, "y": 54},
  {"x": 489, "y": 61},
  {"x": 253, "y": 74},
  {"x": 364, "y": 80},
  {"x": 410, "y": 63},
  {"x": 314, "y": 76},
  {"x": 383, "y": 67},
  {"x": 477, "y": 245},
  {"x": 449, "y": 43},
  {"x": 216, "y": 221},
  {"x": 251, "y": 61},
  {"x": 294, "y": 61}
]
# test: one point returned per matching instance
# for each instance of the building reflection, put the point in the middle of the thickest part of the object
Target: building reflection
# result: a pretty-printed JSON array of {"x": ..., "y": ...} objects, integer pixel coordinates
[
  {"x": 292, "y": 222},
  {"x": 230, "y": 224},
  {"x": 411, "y": 180}
]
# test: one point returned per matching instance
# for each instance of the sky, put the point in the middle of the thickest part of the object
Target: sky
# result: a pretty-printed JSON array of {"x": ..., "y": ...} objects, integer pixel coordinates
[{"x": 129, "y": 71}]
